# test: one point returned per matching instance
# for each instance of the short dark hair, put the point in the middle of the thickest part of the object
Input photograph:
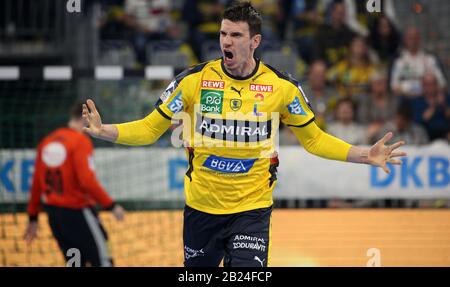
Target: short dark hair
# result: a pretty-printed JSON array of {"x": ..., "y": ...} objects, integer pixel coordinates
[
  {"x": 76, "y": 110},
  {"x": 245, "y": 12}
]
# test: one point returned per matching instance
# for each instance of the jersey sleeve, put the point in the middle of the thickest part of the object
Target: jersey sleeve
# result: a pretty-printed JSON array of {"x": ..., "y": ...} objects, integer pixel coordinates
[
  {"x": 319, "y": 143},
  {"x": 85, "y": 171},
  {"x": 34, "y": 203},
  {"x": 296, "y": 109},
  {"x": 143, "y": 132}
]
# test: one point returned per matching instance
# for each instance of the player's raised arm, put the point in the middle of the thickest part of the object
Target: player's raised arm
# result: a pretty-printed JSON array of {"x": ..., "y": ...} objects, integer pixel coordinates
[
  {"x": 298, "y": 116},
  {"x": 141, "y": 132},
  {"x": 327, "y": 146}
]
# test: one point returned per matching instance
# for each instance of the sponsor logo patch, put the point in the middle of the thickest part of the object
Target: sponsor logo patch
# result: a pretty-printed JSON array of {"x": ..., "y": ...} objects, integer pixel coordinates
[
  {"x": 211, "y": 101},
  {"x": 249, "y": 242},
  {"x": 233, "y": 130},
  {"x": 229, "y": 165},
  {"x": 213, "y": 84},
  {"x": 176, "y": 105},
  {"x": 192, "y": 253},
  {"x": 295, "y": 107},
  {"x": 255, "y": 106},
  {"x": 235, "y": 104},
  {"x": 261, "y": 88}
]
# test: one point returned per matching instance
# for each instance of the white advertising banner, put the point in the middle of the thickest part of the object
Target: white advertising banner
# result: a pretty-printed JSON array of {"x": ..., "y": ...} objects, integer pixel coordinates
[
  {"x": 425, "y": 173},
  {"x": 158, "y": 174}
]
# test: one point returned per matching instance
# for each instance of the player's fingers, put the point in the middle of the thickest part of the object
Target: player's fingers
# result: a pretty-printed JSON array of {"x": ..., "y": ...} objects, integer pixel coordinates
[
  {"x": 86, "y": 120},
  {"x": 85, "y": 111},
  {"x": 88, "y": 131},
  {"x": 91, "y": 105},
  {"x": 386, "y": 169},
  {"x": 386, "y": 138},
  {"x": 28, "y": 237},
  {"x": 397, "y": 154},
  {"x": 118, "y": 216},
  {"x": 395, "y": 161},
  {"x": 396, "y": 145}
]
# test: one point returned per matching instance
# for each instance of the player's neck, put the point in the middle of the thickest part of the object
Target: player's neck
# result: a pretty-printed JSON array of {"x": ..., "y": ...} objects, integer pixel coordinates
[
  {"x": 75, "y": 125},
  {"x": 244, "y": 69}
]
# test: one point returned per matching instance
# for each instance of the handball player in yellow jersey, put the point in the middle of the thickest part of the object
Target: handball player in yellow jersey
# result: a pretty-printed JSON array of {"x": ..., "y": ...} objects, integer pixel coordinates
[{"x": 232, "y": 106}]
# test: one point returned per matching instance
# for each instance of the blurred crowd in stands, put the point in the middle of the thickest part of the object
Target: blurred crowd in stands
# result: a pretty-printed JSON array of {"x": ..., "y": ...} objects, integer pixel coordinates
[
  {"x": 364, "y": 73},
  {"x": 361, "y": 73}
]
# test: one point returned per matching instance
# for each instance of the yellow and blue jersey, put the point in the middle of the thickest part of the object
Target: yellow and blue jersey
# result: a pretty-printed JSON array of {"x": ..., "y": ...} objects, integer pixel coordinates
[{"x": 231, "y": 125}]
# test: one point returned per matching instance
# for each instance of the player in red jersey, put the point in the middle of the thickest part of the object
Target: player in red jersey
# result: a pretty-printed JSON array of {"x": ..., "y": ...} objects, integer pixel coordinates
[{"x": 64, "y": 179}]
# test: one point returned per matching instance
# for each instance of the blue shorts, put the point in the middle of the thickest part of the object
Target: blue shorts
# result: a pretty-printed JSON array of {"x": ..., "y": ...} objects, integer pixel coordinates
[{"x": 240, "y": 239}]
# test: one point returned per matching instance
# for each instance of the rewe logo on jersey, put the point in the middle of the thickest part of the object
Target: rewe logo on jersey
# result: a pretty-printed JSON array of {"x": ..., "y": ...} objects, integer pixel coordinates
[
  {"x": 261, "y": 88},
  {"x": 211, "y": 101},
  {"x": 229, "y": 165},
  {"x": 213, "y": 84}
]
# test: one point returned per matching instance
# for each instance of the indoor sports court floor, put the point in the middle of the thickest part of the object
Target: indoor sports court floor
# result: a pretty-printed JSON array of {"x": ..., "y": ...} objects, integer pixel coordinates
[{"x": 313, "y": 237}]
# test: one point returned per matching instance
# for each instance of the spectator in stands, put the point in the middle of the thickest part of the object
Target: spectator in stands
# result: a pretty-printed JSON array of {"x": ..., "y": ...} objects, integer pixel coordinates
[
  {"x": 151, "y": 21},
  {"x": 384, "y": 39},
  {"x": 405, "y": 128},
  {"x": 345, "y": 126},
  {"x": 432, "y": 110},
  {"x": 270, "y": 12},
  {"x": 203, "y": 19},
  {"x": 321, "y": 95},
  {"x": 332, "y": 40},
  {"x": 139, "y": 22},
  {"x": 307, "y": 16},
  {"x": 379, "y": 107},
  {"x": 112, "y": 25},
  {"x": 352, "y": 75},
  {"x": 357, "y": 18},
  {"x": 285, "y": 8},
  {"x": 413, "y": 63}
]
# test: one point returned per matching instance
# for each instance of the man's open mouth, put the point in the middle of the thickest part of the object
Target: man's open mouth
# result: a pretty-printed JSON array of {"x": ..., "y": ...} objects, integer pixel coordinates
[{"x": 228, "y": 55}]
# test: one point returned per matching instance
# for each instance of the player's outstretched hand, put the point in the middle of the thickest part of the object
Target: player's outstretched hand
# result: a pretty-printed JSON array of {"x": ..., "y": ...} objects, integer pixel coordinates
[
  {"x": 31, "y": 232},
  {"x": 91, "y": 118},
  {"x": 381, "y": 154},
  {"x": 118, "y": 212}
]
